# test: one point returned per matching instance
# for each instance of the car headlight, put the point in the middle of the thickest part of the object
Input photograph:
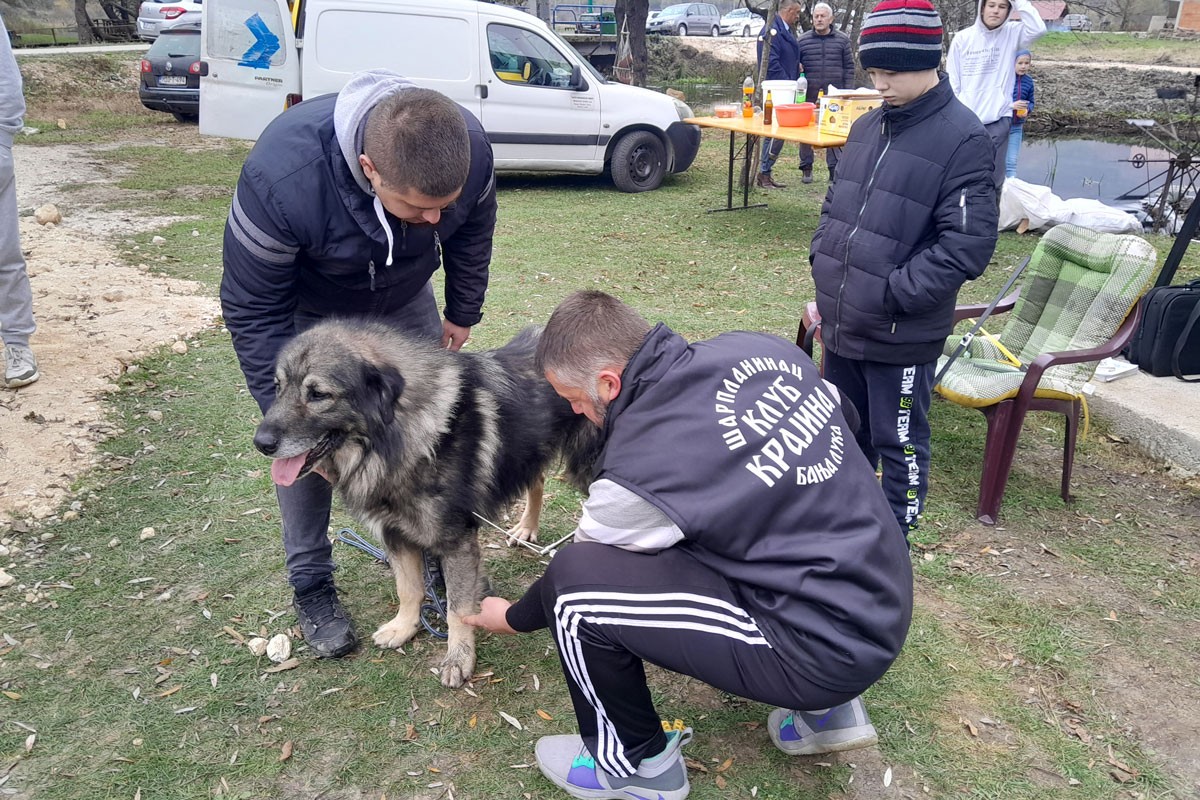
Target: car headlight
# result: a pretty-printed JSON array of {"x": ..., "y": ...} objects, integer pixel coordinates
[{"x": 682, "y": 108}]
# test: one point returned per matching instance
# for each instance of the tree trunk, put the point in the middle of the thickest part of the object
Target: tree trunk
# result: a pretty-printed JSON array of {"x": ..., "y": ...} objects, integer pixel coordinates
[
  {"x": 543, "y": 11},
  {"x": 83, "y": 23},
  {"x": 631, "y": 16}
]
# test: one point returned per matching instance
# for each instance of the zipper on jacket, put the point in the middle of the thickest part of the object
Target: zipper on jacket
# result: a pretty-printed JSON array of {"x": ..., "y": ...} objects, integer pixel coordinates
[
  {"x": 962, "y": 203},
  {"x": 883, "y": 131},
  {"x": 371, "y": 272},
  {"x": 403, "y": 235}
]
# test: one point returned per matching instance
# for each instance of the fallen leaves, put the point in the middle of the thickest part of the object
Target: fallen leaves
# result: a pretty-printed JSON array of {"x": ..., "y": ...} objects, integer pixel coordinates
[
  {"x": 285, "y": 752},
  {"x": 511, "y": 720}
]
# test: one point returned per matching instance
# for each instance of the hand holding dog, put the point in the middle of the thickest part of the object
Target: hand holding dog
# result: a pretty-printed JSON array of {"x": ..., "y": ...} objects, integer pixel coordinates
[
  {"x": 492, "y": 616},
  {"x": 454, "y": 336}
]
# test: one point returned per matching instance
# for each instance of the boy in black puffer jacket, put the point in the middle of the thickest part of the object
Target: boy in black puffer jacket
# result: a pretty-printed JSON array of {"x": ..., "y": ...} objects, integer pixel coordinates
[{"x": 911, "y": 217}]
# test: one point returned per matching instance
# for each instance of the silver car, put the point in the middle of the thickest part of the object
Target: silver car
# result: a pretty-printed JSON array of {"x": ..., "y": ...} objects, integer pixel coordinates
[
  {"x": 696, "y": 19},
  {"x": 154, "y": 15}
]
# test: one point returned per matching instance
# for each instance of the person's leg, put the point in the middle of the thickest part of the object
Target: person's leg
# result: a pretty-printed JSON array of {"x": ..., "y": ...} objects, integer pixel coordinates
[
  {"x": 848, "y": 376},
  {"x": 831, "y": 160},
  {"x": 998, "y": 132},
  {"x": 1015, "y": 134},
  {"x": 806, "y": 162},
  {"x": 16, "y": 297},
  {"x": 612, "y": 609},
  {"x": 771, "y": 148},
  {"x": 898, "y": 410}
]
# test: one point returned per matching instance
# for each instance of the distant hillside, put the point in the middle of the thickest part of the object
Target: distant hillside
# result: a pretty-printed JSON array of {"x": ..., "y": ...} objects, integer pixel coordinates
[{"x": 44, "y": 13}]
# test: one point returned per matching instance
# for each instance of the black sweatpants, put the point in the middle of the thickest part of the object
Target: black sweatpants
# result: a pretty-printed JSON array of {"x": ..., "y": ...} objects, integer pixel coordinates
[
  {"x": 611, "y": 609},
  {"x": 893, "y": 402}
]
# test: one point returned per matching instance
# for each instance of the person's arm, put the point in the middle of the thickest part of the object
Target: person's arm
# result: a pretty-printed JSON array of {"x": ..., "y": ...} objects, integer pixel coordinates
[
  {"x": 467, "y": 255},
  {"x": 965, "y": 219},
  {"x": 1032, "y": 24},
  {"x": 1031, "y": 89},
  {"x": 258, "y": 283},
  {"x": 848, "y": 81},
  {"x": 616, "y": 516}
]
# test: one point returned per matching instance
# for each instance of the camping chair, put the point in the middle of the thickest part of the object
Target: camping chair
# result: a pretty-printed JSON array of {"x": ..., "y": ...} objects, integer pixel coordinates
[{"x": 1078, "y": 304}]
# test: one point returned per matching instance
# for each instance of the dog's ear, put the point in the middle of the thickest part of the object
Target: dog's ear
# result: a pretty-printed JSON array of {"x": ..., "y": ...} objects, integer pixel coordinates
[{"x": 384, "y": 386}]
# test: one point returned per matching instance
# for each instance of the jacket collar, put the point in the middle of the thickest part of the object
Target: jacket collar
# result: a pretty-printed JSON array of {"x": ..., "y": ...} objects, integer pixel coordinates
[
  {"x": 651, "y": 361},
  {"x": 900, "y": 117}
]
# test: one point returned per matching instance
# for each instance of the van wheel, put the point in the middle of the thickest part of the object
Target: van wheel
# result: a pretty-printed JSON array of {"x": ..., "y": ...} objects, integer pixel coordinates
[
  {"x": 639, "y": 162},
  {"x": 683, "y": 30},
  {"x": 746, "y": 31}
]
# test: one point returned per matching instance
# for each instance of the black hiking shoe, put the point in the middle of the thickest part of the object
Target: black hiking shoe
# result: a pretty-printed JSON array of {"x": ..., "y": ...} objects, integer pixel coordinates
[{"x": 327, "y": 627}]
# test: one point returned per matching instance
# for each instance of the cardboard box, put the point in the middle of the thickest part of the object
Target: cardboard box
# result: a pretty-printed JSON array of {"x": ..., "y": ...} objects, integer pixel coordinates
[{"x": 839, "y": 111}]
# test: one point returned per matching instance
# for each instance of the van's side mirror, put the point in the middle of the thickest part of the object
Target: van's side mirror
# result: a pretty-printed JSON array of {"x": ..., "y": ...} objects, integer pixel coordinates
[{"x": 577, "y": 82}]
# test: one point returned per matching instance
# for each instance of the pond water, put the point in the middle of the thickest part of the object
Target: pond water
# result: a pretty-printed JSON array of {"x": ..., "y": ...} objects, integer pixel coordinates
[{"x": 1097, "y": 170}]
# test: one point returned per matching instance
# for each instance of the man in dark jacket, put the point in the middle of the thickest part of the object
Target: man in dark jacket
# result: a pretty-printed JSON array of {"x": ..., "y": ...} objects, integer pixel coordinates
[
  {"x": 783, "y": 64},
  {"x": 347, "y": 205},
  {"x": 825, "y": 59},
  {"x": 732, "y": 533},
  {"x": 911, "y": 217}
]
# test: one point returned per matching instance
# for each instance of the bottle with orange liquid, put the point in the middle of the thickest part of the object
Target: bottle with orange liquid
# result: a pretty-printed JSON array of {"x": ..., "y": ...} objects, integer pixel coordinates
[{"x": 748, "y": 97}]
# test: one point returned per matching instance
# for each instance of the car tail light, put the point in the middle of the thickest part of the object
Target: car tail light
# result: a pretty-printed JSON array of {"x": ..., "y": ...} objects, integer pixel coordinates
[
  {"x": 291, "y": 100},
  {"x": 194, "y": 68},
  {"x": 146, "y": 66},
  {"x": 171, "y": 12}
]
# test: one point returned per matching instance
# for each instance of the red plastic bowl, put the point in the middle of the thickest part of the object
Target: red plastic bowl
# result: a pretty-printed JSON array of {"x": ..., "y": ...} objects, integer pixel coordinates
[{"x": 794, "y": 115}]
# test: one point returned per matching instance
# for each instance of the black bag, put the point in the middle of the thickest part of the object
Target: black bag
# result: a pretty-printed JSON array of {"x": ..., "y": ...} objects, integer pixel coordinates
[{"x": 1167, "y": 342}]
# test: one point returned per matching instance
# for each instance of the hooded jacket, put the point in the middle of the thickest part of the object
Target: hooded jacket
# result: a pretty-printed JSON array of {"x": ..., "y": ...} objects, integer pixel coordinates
[
  {"x": 911, "y": 217},
  {"x": 980, "y": 62},
  {"x": 306, "y": 231},
  {"x": 12, "y": 101},
  {"x": 764, "y": 480}
]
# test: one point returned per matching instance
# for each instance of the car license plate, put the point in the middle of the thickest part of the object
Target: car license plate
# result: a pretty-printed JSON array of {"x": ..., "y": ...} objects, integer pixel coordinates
[{"x": 172, "y": 80}]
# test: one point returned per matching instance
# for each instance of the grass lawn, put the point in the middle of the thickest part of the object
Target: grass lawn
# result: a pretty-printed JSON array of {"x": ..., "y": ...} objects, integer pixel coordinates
[
  {"x": 1124, "y": 47},
  {"x": 125, "y": 658}
]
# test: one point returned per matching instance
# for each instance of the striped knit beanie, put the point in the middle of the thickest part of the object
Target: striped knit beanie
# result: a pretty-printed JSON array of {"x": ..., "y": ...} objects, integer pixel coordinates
[{"x": 901, "y": 36}]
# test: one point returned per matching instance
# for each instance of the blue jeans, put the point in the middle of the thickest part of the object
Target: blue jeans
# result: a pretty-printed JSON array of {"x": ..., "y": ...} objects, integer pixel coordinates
[
  {"x": 771, "y": 148},
  {"x": 1015, "y": 135}
]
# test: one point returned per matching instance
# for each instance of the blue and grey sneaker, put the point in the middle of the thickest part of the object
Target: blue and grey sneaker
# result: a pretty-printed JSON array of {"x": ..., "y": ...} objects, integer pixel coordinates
[
  {"x": 802, "y": 733},
  {"x": 566, "y": 762}
]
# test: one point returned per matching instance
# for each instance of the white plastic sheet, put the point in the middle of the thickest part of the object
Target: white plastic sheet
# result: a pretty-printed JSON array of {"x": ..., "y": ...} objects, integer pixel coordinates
[{"x": 1044, "y": 209}]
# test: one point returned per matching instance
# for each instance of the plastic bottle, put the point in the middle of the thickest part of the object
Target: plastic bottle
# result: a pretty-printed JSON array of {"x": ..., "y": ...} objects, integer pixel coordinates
[
  {"x": 748, "y": 97},
  {"x": 768, "y": 109},
  {"x": 801, "y": 88}
]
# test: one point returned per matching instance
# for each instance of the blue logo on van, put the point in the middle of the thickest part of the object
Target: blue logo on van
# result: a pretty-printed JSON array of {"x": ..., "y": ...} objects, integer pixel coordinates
[{"x": 266, "y": 44}]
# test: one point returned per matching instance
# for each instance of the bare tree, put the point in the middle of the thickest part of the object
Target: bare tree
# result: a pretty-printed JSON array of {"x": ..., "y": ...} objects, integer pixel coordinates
[
  {"x": 83, "y": 23},
  {"x": 631, "y": 17}
]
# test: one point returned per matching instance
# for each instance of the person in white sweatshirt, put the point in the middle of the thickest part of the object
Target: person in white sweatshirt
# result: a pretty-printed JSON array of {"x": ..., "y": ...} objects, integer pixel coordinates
[{"x": 980, "y": 66}]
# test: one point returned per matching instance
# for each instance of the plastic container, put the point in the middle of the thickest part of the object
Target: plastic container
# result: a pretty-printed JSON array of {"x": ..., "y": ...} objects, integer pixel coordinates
[
  {"x": 794, "y": 115},
  {"x": 801, "y": 88},
  {"x": 782, "y": 92},
  {"x": 748, "y": 97},
  {"x": 726, "y": 110}
]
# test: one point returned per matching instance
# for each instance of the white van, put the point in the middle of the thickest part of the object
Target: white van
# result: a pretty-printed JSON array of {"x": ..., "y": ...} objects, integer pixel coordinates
[{"x": 545, "y": 108}]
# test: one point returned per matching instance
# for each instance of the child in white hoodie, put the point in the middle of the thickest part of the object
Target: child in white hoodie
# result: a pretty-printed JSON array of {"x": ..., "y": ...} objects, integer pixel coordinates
[{"x": 980, "y": 66}]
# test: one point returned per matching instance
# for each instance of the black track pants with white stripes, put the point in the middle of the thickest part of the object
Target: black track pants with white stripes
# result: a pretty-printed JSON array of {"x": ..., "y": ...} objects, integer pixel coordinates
[{"x": 611, "y": 609}]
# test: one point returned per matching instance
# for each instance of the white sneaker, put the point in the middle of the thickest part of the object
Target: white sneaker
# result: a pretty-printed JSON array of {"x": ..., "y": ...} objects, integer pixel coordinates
[
  {"x": 20, "y": 366},
  {"x": 801, "y": 733}
]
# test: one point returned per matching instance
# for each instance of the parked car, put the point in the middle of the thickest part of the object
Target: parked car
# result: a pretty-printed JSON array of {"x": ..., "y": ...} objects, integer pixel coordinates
[
  {"x": 1078, "y": 22},
  {"x": 154, "y": 15},
  {"x": 170, "y": 78},
  {"x": 697, "y": 19},
  {"x": 742, "y": 22},
  {"x": 596, "y": 22}
]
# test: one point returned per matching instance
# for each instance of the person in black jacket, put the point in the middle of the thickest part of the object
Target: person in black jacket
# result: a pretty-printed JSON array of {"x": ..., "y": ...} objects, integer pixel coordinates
[
  {"x": 825, "y": 59},
  {"x": 911, "y": 217},
  {"x": 732, "y": 533},
  {"x": 347, "y": 205}
]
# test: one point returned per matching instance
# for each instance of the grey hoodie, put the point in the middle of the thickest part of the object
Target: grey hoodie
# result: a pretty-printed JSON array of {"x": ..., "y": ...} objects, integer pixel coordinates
[{"x": 12, "y": 101}]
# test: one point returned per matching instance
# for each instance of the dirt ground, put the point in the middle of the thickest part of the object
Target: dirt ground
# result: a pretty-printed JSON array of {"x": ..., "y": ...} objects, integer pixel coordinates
[{"x": 95, "y": 318}]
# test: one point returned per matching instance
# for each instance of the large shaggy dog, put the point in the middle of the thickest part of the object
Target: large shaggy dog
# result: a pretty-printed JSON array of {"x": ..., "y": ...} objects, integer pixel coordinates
[{"x": 417, "y": 440}]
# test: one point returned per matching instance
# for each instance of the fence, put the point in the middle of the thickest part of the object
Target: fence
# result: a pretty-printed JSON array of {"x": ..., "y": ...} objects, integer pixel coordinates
[{"x": 106, "y": 30}]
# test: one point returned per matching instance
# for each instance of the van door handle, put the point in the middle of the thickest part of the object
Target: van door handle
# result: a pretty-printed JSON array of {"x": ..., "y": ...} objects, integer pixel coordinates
[{"x": 482, "y": 89}]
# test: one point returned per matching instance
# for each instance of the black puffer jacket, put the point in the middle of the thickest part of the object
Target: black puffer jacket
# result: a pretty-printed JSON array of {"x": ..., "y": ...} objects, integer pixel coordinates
[
  {"x": 911, "y": 217},
  {"x": 826, "y": 59}
]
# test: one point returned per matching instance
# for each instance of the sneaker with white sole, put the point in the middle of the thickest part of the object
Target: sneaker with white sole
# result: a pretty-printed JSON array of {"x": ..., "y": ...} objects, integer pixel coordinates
[
  {"x": 803, "y": 733},
  {"x": 20, "y": 366},
  {"x": 568, "y": 764}
]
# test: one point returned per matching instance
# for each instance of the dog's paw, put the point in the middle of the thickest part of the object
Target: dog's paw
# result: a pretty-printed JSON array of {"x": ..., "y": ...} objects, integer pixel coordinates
[
  {"x": 458, "y": 666},
  {"x": 522, "y": 532},
  {"x": 395, "y": 633}
]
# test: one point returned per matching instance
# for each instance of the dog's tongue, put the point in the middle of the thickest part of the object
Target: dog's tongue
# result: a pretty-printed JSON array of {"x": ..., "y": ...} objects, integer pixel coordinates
[{"x": 284, "y": 471}]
